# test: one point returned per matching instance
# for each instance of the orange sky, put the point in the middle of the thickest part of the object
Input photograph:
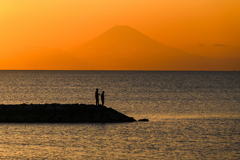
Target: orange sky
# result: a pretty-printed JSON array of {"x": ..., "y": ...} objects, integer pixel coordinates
[{"x": 203, "y": 27}]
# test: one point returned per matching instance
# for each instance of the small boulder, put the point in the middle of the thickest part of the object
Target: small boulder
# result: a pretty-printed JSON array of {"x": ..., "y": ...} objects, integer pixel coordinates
[{"x": 143, "y": 120}]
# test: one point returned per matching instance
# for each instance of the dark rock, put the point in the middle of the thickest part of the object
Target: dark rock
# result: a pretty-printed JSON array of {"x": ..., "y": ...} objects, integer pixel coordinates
[
  {"x": 61, "y": 113},
  {"x": 143, "y": 120}
]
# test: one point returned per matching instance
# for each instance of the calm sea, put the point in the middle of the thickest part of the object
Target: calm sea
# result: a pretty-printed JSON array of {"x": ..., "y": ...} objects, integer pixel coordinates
[{"x": 193, "y": 115}]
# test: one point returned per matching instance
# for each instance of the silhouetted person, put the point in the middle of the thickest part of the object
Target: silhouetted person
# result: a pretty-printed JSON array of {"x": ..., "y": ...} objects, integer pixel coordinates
[
  {"x": 102, "y": 98},
  {"x": 97, "y": 96}
]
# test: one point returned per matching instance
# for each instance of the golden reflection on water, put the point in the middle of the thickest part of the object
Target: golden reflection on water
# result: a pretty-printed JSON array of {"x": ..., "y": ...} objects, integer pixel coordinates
[
  {"x": 193, "y": 115},
  {"x": 166, "y": 139}
]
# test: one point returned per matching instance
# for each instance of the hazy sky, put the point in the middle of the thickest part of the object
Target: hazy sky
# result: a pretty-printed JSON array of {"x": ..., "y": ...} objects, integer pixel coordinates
[{"x": 203, "y": 27}]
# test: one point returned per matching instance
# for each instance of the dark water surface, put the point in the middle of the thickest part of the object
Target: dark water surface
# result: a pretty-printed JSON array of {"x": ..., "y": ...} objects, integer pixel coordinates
[{"x": 193, "y": 115}]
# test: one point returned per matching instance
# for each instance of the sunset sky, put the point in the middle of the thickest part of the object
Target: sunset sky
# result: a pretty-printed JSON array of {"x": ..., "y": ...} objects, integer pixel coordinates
[{"x": 202, "y": 27}]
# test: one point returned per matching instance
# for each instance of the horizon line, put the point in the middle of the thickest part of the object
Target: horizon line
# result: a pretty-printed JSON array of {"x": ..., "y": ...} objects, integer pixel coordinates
[{"x": 123, "y": 70}]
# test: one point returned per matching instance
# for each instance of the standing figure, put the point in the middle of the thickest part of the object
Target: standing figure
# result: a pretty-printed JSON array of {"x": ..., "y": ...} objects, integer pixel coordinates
[
  {"x": 102, "y": 98},
  {"x": 97, "y": 96}
]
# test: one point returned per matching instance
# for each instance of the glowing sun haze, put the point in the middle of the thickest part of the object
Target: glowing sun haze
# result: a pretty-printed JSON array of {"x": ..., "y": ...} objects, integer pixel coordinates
[{"x": 208, "y": 28}]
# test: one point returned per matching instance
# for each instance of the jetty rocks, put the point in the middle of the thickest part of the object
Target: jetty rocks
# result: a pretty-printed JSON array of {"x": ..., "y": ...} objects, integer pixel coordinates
[{"x": 60, "y": 113}]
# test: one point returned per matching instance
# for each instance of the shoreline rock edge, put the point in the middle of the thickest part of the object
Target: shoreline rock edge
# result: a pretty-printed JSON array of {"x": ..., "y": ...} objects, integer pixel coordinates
[{"x": 60, "y": 113}]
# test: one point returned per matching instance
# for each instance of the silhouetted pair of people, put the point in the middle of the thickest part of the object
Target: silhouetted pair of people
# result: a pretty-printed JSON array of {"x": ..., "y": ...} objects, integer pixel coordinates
[{"x": 97, "y": 97}]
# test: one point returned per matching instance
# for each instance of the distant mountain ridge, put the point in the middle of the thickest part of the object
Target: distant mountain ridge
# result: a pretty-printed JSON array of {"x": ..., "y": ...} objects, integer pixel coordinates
[
  {"x": 124, "y": 48},
  {"x": 119, "y": 48}
]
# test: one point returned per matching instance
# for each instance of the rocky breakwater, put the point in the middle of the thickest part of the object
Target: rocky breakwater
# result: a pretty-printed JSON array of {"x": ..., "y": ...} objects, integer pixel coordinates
[{"x": 60, "y": 113}]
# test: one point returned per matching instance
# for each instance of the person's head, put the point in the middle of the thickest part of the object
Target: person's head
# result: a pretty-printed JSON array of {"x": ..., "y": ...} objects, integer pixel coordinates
[
  {"x": 97, "y": 89},
  {"x": 103, "y": 92}
]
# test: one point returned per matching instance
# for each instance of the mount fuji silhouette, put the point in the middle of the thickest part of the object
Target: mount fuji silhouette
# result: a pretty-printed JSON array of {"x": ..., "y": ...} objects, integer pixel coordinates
[
  {"x": 124, "y": 48},
  {"x": 119, "y": 48}
]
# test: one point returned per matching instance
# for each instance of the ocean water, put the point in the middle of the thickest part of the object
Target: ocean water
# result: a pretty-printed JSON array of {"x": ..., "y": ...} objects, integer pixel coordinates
[{"x": 193, "y": 115}]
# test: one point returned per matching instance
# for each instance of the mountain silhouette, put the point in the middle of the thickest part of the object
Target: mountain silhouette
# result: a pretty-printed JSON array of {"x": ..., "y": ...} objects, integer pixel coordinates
[
  {"x": 124, "y": 48},
  {"x": 119, "y": 48}
]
